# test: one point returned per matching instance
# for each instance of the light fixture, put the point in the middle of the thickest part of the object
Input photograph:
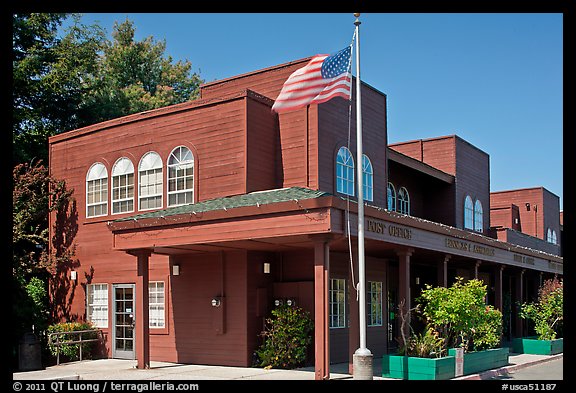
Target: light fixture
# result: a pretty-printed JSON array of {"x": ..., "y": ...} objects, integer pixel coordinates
[
  {"x": 527, "y": 206},
  {"x": 266, "y": 268},
  {"x": 290, "y": 302},
  {"x": 215, "y": 302},
  {"x": 278, "y": 302},
  {"x": 175, "y": 270},
  {"x": 417, "y": 280},
  {"x": 73, "y": 275}
]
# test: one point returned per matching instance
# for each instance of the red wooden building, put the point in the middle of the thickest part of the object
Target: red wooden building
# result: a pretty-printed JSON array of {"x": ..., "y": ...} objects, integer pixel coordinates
[{"x": 193, "y": 219}]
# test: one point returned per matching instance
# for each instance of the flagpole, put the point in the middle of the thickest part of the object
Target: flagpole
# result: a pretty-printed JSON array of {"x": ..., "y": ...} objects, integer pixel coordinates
[{"x": 362, "y": 359}]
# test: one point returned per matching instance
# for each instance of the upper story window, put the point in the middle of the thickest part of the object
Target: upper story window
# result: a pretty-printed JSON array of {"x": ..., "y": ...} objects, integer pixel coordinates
[
  {"x": 368, "y": 179},
  {"x": 97, "y": 191},
  {"x": 468, "y": 213},
  {"x": 391, "y": 194},
  {"x": 344, "y": 172},
  {"x": 180, "y": 177},
  {"x": 478, "y": 217},
  {"x": 122, "y": 186},
  {"x": 403, "y": 201},
  {"x": 150, "y": 181},
  {"x": 551, "y": 236}
]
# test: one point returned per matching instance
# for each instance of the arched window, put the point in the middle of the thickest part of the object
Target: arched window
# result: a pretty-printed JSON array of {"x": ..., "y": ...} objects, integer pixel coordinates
[
  {"x": 344, "y": 172},
  {"x": 391, "y": 195},
  {"x": 368, "y": 179},
  {"x": 478, "y": 217},
  {"x": 122, "y": 186},
  {"x": 403, "y": 201},
  {"x": 549, "y": 235},
  {"x": 180, "y": 177},
  {"x": 97, "y": 191},
  {"x": 554, "y": 238},
  {"x": 150, "y": 181},
  {"x": 468, "y": 213}
]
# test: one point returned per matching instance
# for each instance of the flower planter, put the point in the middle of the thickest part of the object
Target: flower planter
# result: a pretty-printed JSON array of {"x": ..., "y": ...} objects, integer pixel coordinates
[
  {"x": 414, "y": 368},
  {"x": 534, "y": 346},
  {"x": 479, "y": 361}
]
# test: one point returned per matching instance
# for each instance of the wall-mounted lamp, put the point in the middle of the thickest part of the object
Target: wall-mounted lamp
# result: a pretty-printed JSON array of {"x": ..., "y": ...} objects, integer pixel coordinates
[
  {"x": 266, "y": 268},
  {"x": 73, "y": 275},
  {"x": 290, "y": 302},
  {"x": 216, "y": 302},
  {"x": 175, "y": 270},
  {"x": 417, "y": 280},
  {"x": 278, "y": 302},
  {"x": 527, "y": 206}
]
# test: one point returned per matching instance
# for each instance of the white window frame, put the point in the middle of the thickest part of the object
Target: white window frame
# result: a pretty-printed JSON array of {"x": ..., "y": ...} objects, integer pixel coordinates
[
  {"x": 337, "y": 299},
  {"x": 478, "y": 216},
  {"x": 156, "y": 308},
  {"x": 345, "y": 172},
  {"x": 179, "y": 161},
  {"x": 97, "y": 185},
  {"x": 150, "y": 166},
  {"x": 403, "y": 201},
  {"x": 97, "y": 304},
  {"x": 468, "y": 213},
  {"x": 391, "y": 196},
  {"x": 374, "y": 293},
  {"x": 123, "y": 170},
  {"x": 368, "y": 180}
]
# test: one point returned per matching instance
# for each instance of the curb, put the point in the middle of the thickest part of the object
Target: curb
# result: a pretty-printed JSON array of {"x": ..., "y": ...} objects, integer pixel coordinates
[{"x": 507, "y": 369}]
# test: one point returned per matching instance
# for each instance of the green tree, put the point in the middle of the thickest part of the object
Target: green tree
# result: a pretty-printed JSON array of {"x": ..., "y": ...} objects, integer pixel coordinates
[{"x": 547, "y": 312}]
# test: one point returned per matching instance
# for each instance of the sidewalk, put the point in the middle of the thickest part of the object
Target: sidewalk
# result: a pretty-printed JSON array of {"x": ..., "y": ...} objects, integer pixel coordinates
[{"x": 117, "y": 369}]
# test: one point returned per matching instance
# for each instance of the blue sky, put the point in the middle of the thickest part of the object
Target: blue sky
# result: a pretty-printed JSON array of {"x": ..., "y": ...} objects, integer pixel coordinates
[{"x": 496, "y": 80}]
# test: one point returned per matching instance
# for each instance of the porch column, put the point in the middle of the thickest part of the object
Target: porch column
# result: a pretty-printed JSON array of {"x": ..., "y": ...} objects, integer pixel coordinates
[
  {"x": 142, "y": 341},
  {"x": 404, "y": 286},
  {"x": 443, "y": 271},
  {"x": 476, "y": 268},
  {"x": 321, "y": 308},
  {"x": 519, "y": 300},
  {"x": 498, "y": 287}
]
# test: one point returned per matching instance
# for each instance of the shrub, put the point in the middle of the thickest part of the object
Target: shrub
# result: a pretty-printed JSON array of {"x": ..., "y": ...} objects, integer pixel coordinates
[
  {"x": 72, "y": 351},
  {"x": 287, "y": 335},
  {"x": 424, "y": 345},
  {"x": 460, "y": 315},
  {"x": 547, "y": 312}
]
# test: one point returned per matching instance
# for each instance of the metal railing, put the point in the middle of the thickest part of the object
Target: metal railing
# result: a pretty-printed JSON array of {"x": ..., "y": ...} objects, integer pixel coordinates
[{"x": 62, "y": 338}]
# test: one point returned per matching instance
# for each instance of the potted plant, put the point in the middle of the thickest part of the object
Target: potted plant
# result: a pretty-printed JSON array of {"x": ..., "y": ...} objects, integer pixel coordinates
[
  {"x": 547, "y": 315},
  {"x": 463, "y": 319}
]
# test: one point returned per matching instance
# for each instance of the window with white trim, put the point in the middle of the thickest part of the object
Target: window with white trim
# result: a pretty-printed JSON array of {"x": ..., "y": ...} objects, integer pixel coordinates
[
  {"x": 122, "y": 186},
  {"x": 478, "y": 217},
  {"x": 97, "y": 191},
  {"x": 344, "y": 172},
  {"x": 391, "y": 195},
  {"x": 403, "y": 201},
  {"x": 180, "y": 177},
  {"x": 156, "y": 307},
  {"x": 97, "y": 304},
  {"x": 150, "y": 181},
  {"x": 468, "y": 213},
  {"x": 551, "y": 236},
  {"x": 337, "y": 303},
  {"x": 368, "y": 179},
  {"x": 374, "y": 303}
]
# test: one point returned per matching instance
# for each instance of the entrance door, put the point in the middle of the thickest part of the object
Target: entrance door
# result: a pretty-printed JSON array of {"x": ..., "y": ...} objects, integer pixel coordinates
[{"x": 124, "y": 321}]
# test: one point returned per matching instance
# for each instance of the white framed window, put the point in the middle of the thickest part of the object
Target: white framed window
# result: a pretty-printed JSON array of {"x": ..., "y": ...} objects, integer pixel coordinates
[
  {"x": 180, "y": 177},
  {"x": 374, "y": 303},
  {"x": 157, "y": 308},
  {"x": 97, "y": 190},
  {"x": 391, "y": 195},
  {"x": 551, "y": 236},
  {"x": 337, "y": 303},
  {"x": 344, "y": 172},
  {"x": 122, "y": 186},
  {"x": 468, "y": 213},
  {"x": 554, "y": 238},
  {"x": 478, "y": 217},
  {"x": 403, "y": 201},
  {"x": 97, "y": 305},
  {"x": 368, "y": 179},
  {"x": 150, "y": 181}
]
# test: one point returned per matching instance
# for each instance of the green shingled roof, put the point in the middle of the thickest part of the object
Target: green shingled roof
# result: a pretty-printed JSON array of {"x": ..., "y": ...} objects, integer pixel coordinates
[{"x": 251, "y": 199}]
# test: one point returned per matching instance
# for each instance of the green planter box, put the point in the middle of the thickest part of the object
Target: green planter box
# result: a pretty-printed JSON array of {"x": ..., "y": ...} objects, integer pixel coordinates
[
  {"x": 534, "y": 346},
  {"x": 475, "y": 362},
  {"x": 414, "y": 368}
]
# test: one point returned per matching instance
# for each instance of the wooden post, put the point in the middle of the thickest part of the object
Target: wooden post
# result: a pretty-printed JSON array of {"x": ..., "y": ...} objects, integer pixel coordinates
[
  {"x": 519, "y": 300},
  {"x": 476, "y": 268},
  {"x": 498, "y": 287},
  {"x": 404, "y": 284},
  {"x": 443, "y": 271},
  {"x": 321, "y": 309},
  {"x": 142, "y": 341}
]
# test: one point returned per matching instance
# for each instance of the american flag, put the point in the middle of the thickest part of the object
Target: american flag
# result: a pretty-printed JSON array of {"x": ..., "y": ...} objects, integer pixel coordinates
[{"x": 323, "y": 78}]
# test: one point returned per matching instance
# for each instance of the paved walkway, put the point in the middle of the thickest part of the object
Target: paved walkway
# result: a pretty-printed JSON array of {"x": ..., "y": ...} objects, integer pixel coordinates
[{"x": 116, "y": 369}]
